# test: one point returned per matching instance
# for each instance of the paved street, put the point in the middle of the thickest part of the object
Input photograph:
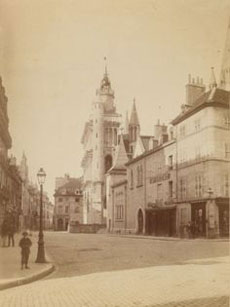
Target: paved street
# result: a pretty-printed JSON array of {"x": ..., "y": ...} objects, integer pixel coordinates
[
  {"x": 112, "y": 271},
  {"x": 79, "y": 254},
  {"x": 202, "y": 283}
]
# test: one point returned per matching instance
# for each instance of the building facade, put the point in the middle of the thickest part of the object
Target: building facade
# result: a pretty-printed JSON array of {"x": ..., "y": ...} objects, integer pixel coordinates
[
  {"x": 176, "y": 182},
  {"x": 99, "y": 140},
  {"x": 68, "y": 207}
]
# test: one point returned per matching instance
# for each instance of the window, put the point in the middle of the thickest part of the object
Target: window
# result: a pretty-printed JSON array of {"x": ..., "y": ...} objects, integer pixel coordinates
[
  {"x": 76, "y": 210},
  {"x": 170, "y": 189},
  {"x": 170, "y": 161},
  {"x": 119, "y": 212},
  {"x": 227, "y": 150},
  {"x": 66, "y": 209},
  {"x": 198, "y": 186},
  {"x": 226, "y": 185},
  {"x": 139, "y": 175},
  {"x": 108, "y": 162},
  {"x": 60, "y": 199},
  {"x": 227, "y": 122},
  {"x": 183, "y": 188},
  {"x": 131, "y": 179},
  {"x": 60, "y": 209},
  {"x": 159, "y": 192},
  {"x": 76, "y": 200}
]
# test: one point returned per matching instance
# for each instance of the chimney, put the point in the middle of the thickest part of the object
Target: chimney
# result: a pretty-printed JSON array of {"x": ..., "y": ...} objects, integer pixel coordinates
[
  {"x": 160, "y": 132},
  {"x": 194, "y": 89}
]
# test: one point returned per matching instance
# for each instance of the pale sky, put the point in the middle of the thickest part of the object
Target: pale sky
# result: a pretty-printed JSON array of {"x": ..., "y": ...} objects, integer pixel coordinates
[{"x": 51, "y": 61}]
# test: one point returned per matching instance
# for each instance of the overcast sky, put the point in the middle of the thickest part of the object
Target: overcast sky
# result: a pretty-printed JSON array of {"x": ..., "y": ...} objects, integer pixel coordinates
[{"x": 51, "y": 61}]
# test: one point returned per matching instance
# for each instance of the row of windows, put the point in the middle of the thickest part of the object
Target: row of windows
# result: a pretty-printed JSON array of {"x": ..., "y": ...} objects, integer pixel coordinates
[
  {"x": 66, "y": 209},
  {"x": 200, "y": 187},
  {"x": 61, "y": 199},
  {"x": 197, "y": 153},
  {"x": 197, "y": 125}
]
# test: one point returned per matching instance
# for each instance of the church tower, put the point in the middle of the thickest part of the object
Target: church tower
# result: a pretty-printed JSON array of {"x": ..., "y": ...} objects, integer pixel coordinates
[
  {"x": 225, "y": 69},
  {"x": 99, "y": 139}
]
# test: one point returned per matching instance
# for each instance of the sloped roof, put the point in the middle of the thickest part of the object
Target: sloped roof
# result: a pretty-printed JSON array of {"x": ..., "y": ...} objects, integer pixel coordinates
[
  {"x": 71, "y": 186},
  {"x": 121, "y": 157},
  {"x": 214, "y": 97}
]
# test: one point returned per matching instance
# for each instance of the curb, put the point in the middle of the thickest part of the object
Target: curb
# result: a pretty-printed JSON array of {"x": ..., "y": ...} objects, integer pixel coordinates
[
  {"x": 29, "y": 279},
  {"x": 167, "y": 238}
]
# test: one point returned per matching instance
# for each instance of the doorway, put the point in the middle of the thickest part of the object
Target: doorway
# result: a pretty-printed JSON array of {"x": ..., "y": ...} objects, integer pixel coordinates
[{"x": 140, "y": 220}]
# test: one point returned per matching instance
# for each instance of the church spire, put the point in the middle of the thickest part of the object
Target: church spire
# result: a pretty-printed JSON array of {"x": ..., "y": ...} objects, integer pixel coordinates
[
  {"x": 225, "y": 69},
  {"x": 126, "y": 123},
  {"x": 106, "y": 72},
  {"x": 134, "y": 121}
]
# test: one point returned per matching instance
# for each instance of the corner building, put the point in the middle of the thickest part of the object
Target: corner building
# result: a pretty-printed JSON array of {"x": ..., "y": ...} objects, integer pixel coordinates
[{"x": 100, "y": 138}]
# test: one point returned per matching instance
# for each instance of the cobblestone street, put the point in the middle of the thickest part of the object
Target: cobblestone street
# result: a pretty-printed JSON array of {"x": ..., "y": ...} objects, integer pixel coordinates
[
  {"x": 196, "y": 285},
  {"x": 79, "y": 254},
  {"x": 121, "y": 272}
]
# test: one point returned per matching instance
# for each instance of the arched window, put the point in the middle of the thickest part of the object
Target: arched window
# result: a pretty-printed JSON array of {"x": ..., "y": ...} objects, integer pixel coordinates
[{"x": 108, "y": 162}]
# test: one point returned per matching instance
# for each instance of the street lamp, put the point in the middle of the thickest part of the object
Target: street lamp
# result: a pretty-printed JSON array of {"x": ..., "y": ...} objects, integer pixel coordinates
[{"x": 41, "y": 175}]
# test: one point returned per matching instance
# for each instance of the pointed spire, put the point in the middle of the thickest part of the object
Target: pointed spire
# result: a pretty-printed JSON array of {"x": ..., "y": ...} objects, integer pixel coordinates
[
  {"x": 105, "y": 83},
  {"x": 106, "y": 72},
  {"x": 134, "y": 121},
  {"x": 212, "y": 82},
  {"x": 121, "y": 155},
  {"x": 126, "y": 123},
  {"x": 225, "y": 69}
]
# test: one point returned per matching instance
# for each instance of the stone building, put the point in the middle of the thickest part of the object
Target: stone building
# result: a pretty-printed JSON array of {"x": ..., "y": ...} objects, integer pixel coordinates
[
  {"x": 26, "y": 211},
  {"x": 203, "y": 156},
  {"x": 116, "y": 201},
  {"x": 5, "y": 145},
  {"x": 177, "y": 181},
  {"x": 151, "y": 189},
  {"x": 100, "y": 140},
  {"x": 68, "y": 207}
]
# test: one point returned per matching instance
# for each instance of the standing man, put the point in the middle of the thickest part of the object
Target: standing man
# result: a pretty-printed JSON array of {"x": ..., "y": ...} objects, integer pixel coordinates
[
  {"x": 25, "y": 244},
  {"x": 11, "y": 229}
]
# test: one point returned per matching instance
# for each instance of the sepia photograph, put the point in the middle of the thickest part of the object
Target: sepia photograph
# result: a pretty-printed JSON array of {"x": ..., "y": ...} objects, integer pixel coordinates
[{"x": 114, "y": 153}]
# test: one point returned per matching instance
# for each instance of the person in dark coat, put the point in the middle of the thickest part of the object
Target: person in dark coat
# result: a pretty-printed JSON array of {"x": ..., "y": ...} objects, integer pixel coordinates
[
  {"x": 4, "y": 232},
  {"x": 11, "y": 231},
  {"x": 25, "y": 244}
]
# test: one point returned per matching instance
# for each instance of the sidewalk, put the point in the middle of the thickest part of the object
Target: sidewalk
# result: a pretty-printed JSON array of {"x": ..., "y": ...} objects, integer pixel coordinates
[
  {"x": 195, "y": 283},
  {"x": 150, "y": 237},
  {"x": 11, "y": 274}
]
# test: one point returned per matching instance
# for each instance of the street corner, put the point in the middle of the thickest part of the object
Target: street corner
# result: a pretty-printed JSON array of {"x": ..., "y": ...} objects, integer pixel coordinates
[{"x": 37, "y": 271}]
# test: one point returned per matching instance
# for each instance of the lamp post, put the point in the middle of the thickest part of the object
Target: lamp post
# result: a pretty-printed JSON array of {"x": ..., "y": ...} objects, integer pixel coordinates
[{"x": 41, "y": 175}]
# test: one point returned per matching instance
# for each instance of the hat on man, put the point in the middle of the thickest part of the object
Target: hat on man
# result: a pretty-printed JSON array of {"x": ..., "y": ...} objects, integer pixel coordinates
[{"x": 25, "y": 233}]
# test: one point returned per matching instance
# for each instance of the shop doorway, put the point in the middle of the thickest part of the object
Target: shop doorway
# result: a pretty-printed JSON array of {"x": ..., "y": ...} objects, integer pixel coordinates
[
  {"x": 199, "y": 220},
  {"x": 60, "y": 224}
]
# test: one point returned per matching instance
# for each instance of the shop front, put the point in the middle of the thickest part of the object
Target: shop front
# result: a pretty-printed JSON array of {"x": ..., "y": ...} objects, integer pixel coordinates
[{"x": 161, "y": 221}]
